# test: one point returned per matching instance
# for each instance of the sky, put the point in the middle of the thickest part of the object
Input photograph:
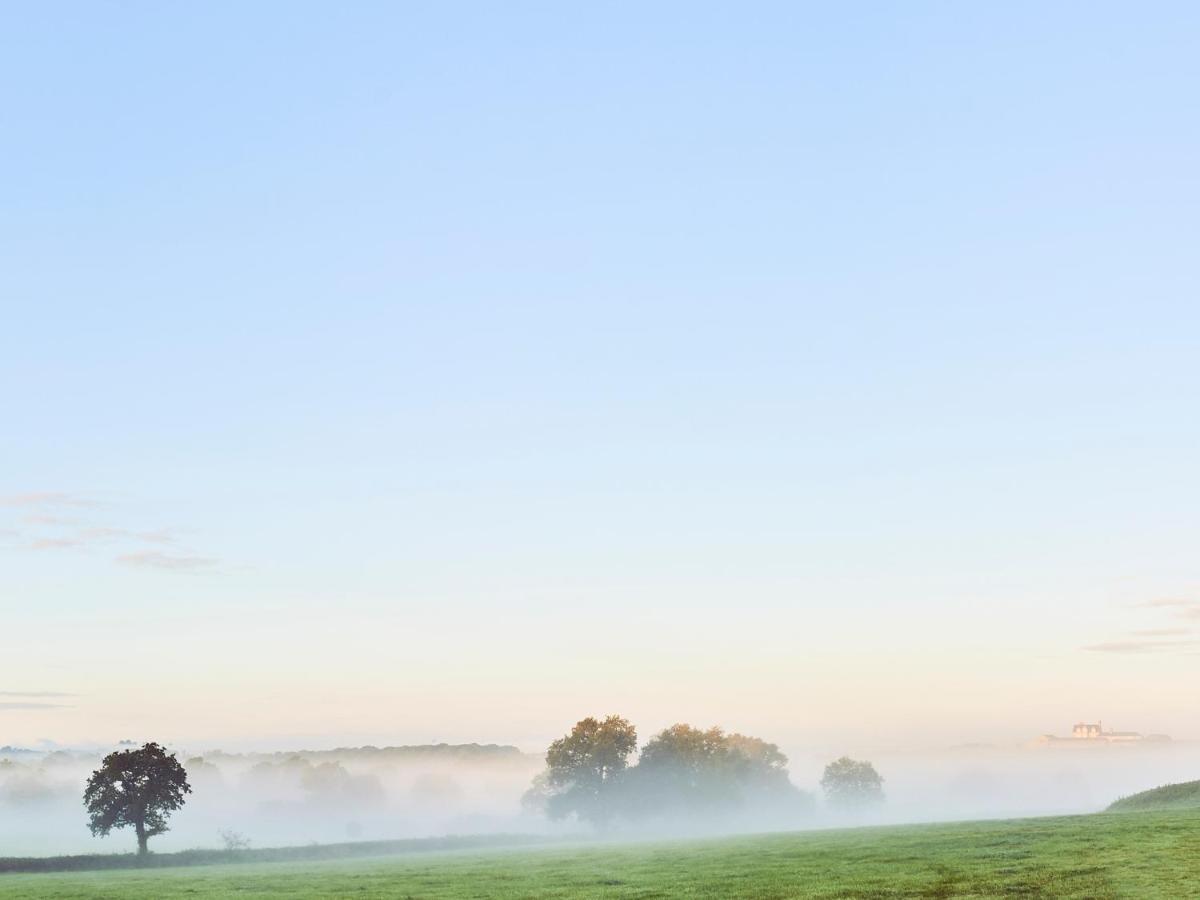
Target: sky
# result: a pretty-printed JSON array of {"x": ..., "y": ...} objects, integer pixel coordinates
[{"x": 394, "y": 373}]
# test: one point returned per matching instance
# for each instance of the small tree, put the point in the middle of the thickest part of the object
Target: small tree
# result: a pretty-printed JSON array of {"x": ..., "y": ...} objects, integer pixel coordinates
[
  {"x": 583, "y": 766},
  {"x": 234, "y": 840},
  {"x": 138, "y": 788},
  {"x": 852, "y": 784}
]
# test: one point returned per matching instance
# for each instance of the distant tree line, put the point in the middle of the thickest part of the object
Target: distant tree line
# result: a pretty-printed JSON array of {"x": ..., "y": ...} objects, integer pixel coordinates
[{"x": 591, "y": 774}]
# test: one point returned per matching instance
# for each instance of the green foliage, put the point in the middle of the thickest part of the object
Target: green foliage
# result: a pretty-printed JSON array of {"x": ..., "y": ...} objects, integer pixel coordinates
[
  {"x": 686, "y": 770},
  {"x": 537, "y": 799},
  {"x": 1142, "y": 855},
  {"x": 682, "y": 771},
  {"x": 851, "y": 784},
  {"x": 1170, "y": 796},
  {"x": 582, "y": 766},
  {"x": 135, "y": 788}
]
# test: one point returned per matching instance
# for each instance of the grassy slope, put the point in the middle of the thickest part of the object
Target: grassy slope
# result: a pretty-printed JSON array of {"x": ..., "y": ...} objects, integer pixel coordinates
[
  {"x": 1153, "y": 854},
  {"x": 1169, "y": 796}
]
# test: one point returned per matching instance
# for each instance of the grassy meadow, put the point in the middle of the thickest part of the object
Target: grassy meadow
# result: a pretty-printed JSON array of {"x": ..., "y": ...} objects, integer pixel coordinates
[
  {"x": 1169, "y": 796},
  {"x": 1143, "y": 854}
]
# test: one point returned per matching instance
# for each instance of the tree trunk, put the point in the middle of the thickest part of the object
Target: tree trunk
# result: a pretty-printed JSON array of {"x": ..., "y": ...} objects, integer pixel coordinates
[{"x": 142, "y": 837}]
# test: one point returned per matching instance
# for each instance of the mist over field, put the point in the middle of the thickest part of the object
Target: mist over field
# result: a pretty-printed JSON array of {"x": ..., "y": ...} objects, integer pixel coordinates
[
  {"x": 333, "y": 796},
  {"x": 280, "y": 798},
  {"x": 636, "y": 420}
]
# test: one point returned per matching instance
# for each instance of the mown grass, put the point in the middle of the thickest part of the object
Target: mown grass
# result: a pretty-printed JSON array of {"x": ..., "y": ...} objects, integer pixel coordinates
[{"x": 1151, "y": 854}]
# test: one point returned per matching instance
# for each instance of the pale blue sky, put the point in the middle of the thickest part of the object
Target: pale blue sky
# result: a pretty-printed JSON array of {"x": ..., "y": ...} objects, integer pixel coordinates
[{"x": 652, "y": 350}]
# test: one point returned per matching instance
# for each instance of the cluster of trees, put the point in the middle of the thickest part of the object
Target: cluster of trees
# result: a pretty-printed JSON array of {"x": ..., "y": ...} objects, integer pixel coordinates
[
  {"x": 681, "y": 771},
  {"x": 326, "y": 784},
  {"x": 24, "y": 786},
  {"x": 31, "y": 779}
]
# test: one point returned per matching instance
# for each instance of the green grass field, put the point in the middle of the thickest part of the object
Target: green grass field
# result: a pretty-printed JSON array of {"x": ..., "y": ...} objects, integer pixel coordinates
[
  {"x": 1145, "y": 854},
  {"x": 1169, "y": 796}
]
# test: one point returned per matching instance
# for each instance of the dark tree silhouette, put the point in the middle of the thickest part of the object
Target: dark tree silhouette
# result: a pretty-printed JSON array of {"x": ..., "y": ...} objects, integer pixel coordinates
[{"x": 138, "y": 788}]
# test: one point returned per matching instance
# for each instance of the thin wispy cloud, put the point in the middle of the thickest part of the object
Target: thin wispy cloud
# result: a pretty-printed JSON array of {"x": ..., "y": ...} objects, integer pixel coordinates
[
  {"x": 55, "y": 543},
  {"x": 1162, "y": 638},
  {"x": 47, "y": 499},
  {"x": 1159, "y": 632},
  {"x": 1178, "y": 607},
  {"x": 1169, "y": 602},
  {"x": 1139, "y": 646},
  {"x": 85, "y": 536},
  {"x": 153, "y": 559},
  {"x": 41, "y": 519},
  {"x": 20, "y": 704},
  {"x": 37, "y": 694},
  {"x": 49, "y": 531},
  {"x": 102, "y": 534},
  {"x": 161, "y": 536}
]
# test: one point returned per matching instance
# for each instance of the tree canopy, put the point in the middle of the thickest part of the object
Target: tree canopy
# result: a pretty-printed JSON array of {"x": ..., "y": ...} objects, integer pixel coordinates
[
  {"x": 684, "y": 769},
  {"x": 852, "y": 784},
  {"x": 582, "y": 765},
  {"x": 135, "y": 788},
  {"x": 681, "y": 771}
]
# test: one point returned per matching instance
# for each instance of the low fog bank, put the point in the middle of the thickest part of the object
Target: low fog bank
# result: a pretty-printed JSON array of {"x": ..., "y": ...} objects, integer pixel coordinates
[
  {"x": 285, "y": 798},
  {"x": 275, "y": 799},
  {"x": 990, "y": 782}
]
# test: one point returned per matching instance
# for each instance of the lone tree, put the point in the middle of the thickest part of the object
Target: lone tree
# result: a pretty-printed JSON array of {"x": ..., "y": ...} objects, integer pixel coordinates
[
  {"x": 583, "y": 767},
  {"x": 852, "y": 784},
  {"x": 139, "y": 788}
]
